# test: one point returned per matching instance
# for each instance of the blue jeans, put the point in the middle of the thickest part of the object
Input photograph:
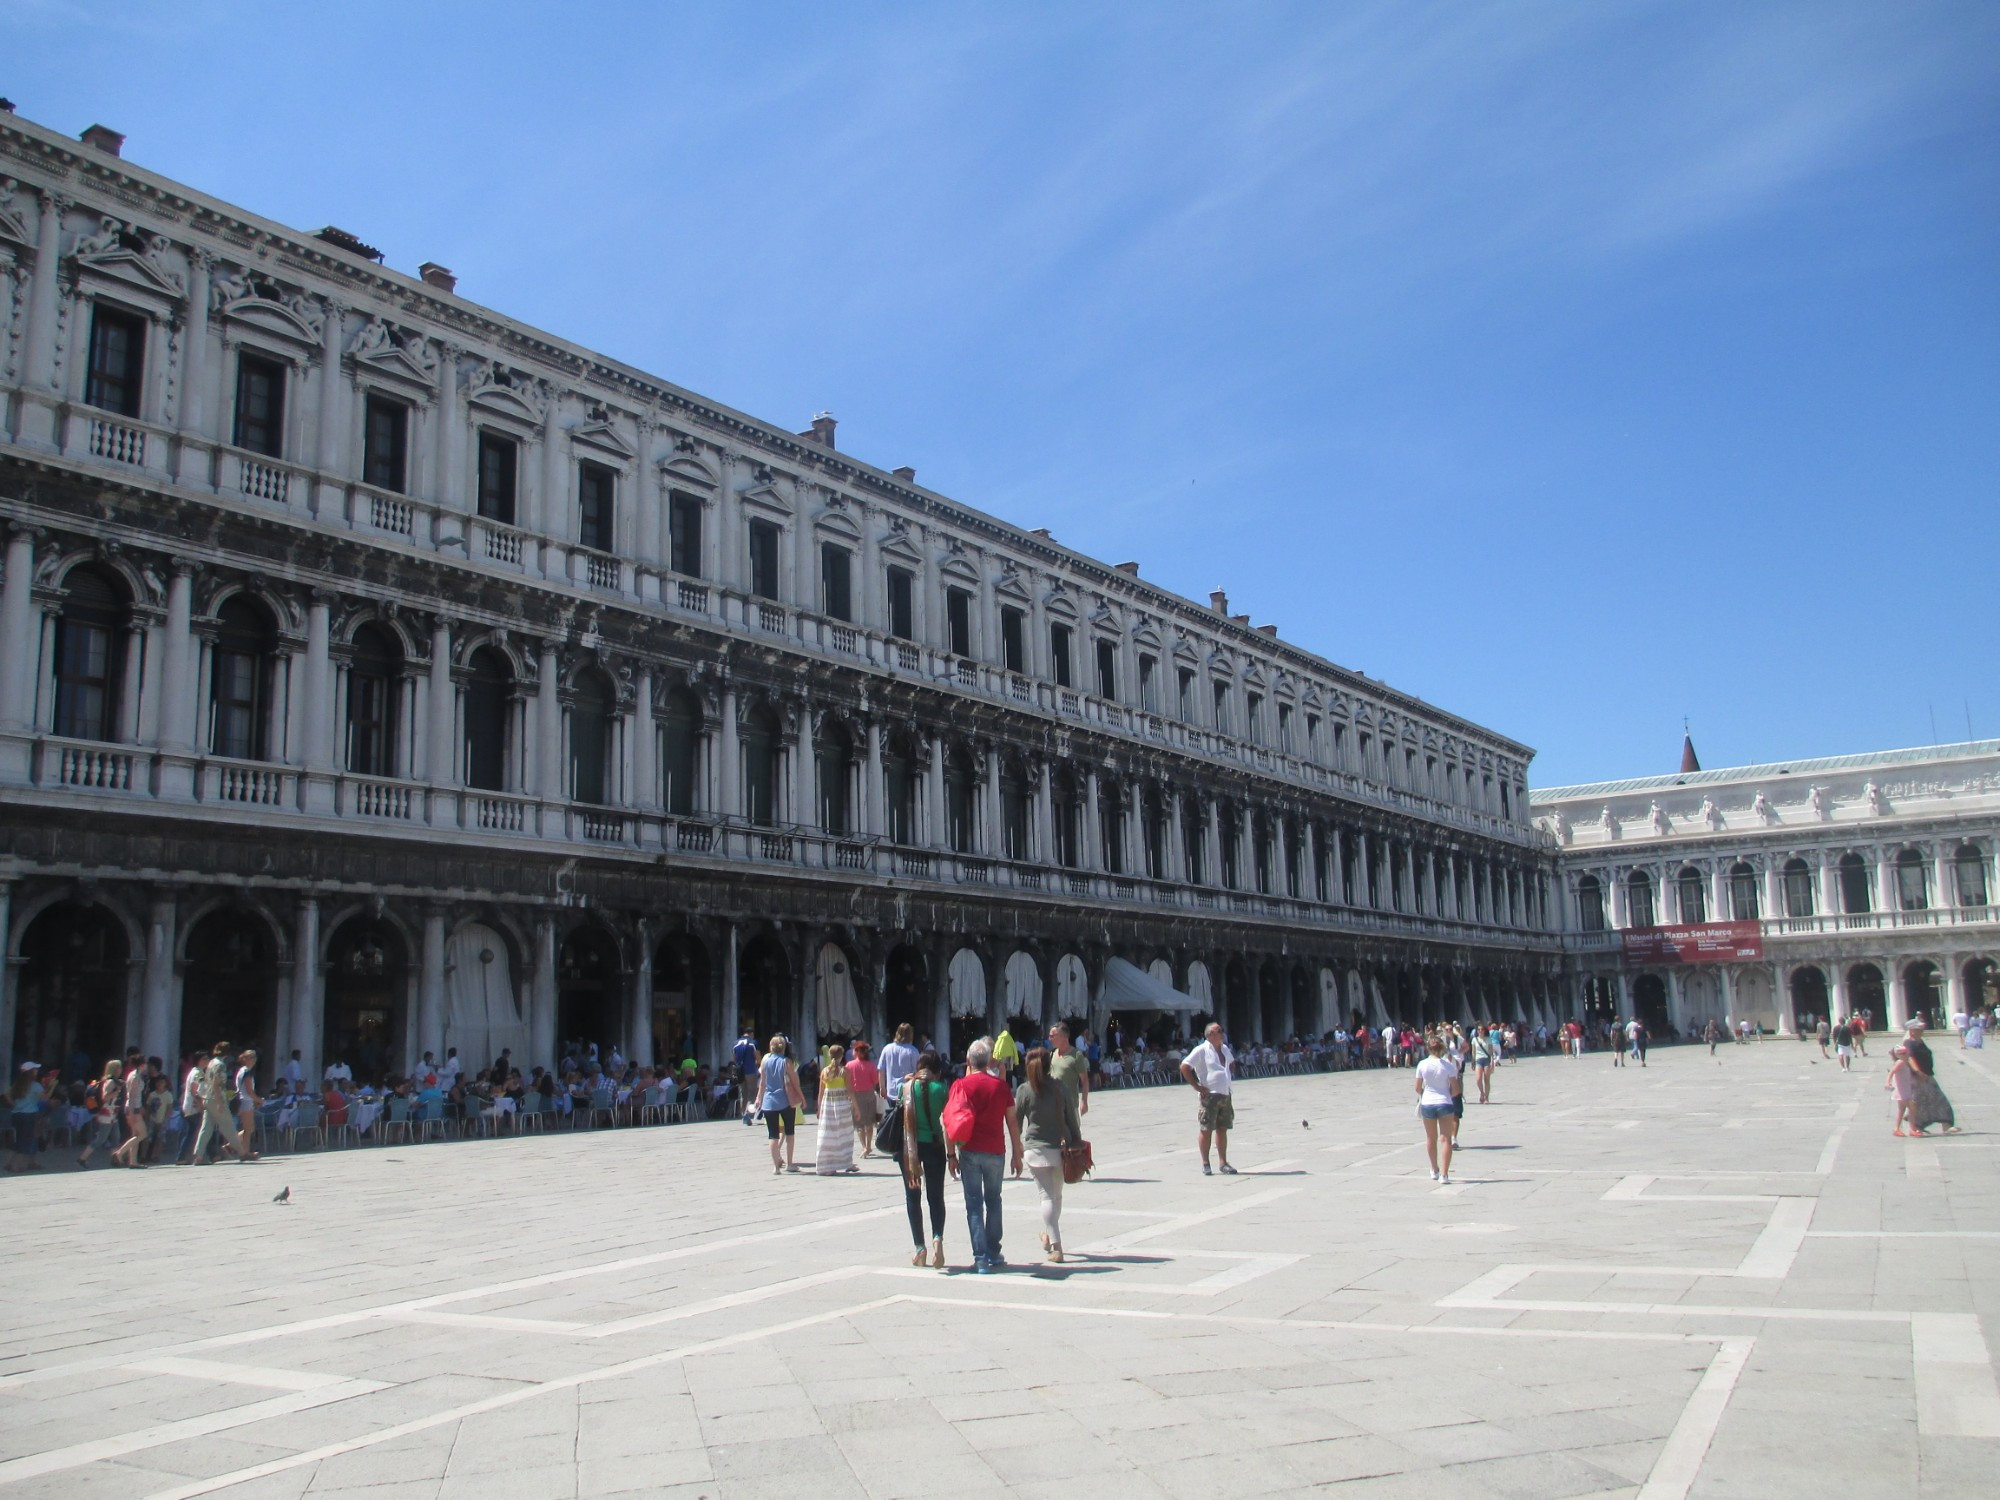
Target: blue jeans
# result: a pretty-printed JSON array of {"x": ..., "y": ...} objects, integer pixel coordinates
[{"x": 980, "y": 1171}]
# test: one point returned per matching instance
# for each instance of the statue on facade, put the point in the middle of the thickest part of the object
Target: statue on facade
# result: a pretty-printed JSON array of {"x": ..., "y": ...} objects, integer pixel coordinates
[
  {"x": 1817, "y": 804},
  {"x": 1657, "y": 816},
  {"x": 1761, "y": 809},
  {"x": 1872, "y": 795},
  {"x": 1710, "y": 814}
]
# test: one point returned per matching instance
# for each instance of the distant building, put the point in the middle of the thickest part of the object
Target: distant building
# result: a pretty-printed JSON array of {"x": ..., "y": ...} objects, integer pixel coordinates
[{"x": 1852, "y": 883}]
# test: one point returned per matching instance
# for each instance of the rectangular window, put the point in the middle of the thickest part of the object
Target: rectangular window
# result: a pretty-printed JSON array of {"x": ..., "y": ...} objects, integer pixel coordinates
[
  {"x": 1312, "y": 737},
  {"x": 902, "y": 604},
  {"x": 596, "y": 507},
  {"x": 499, "y": 476},
  {"x": 260, "y": 405},
  {"x": 764, "y": 559},
  {"x": 1107, "y": 669},
  {"x": 117, "y": 360},
  {"x": 835, "y": 593},
  {"x": 1285, "y": 727},
  {"x": 684, "y": 535},
  {"x": 1222, "y": 708},
  {"x": 1014, "y": 817},
  {"x": 1149, "y": 674},
  {"x": 958, "y": 621},
  {"x": 86, "y": 680},
  {"x": 1253, "y": 717},
  {"x": 1340, "y": 747},
  {"x": 1184, "y": 688},
  {"x": 1059, "y": 655},
  {"x": 386, "y": 436},
  {"x": 1013, "y": 638}
]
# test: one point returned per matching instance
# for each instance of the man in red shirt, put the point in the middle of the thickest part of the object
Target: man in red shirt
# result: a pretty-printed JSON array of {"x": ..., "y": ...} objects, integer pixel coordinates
[{"x": 975, "y": 1158}]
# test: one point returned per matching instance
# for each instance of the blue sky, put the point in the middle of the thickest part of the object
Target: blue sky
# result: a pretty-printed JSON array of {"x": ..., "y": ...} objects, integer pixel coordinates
[{"x": 1573, "y": 366}]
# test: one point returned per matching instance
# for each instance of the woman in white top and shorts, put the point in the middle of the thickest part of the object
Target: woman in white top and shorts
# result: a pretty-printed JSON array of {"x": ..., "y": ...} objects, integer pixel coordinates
[{"x": 1438, "y": 1105}]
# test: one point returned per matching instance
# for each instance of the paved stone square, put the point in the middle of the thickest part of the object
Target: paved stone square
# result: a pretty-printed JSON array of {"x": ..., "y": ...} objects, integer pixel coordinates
[{"x": 1712, "y": 1277}]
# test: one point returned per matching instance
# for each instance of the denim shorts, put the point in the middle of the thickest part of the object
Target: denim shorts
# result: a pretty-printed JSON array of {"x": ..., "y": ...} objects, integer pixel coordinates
[{"x": 1436, "y": 1112}]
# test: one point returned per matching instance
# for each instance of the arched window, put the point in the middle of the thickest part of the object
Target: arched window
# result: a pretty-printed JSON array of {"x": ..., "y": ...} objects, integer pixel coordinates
[
  {"x": 591, "y": 707},
  {"x": 89, "y": 645},
  {"x": 760, "y": 767},
  {"x": 1589, "y": 904},
  {"x": 1015, "y": 800},
  {"x": 489, "y": 692},
  {"x": 246, "y": 649},
  {"x": 1155, "y": 821},
  {"x": 680, "y": 740},
  {"x": 1742, "y": 892},
  {"x": 1798, "y": 888},
  {"x": 1693, "y": 899},
  {"x": 834, "y": 758},
  {"x": 1229, "y": 834},
  {"x": 1062, "y": 792},
  {"x": 899, "y": 790},
  {"x": 1111, "y": 823},
  {"x": 960, "y": 784},
  {"x": 1194, "y": 837},
  {"x": 1853, "y": 884},
  {"x": 1639, "y": 899},
  {"x": 374, "y": 688},
  {"x": 1971, "y": 876},
  {"x": 1912, "y": 891}
]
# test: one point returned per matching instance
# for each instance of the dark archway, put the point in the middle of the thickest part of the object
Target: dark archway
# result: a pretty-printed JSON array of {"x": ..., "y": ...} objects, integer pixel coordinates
[
  {"x": 1649, "y": 1003},
  {"x": 1867, "y": 995},
  {"x": 367, "y": 999},
  {"x": 1233, "y": 1004},
  {"x": 1809, "y": 995},
  {"x": 1923, "y": 993},
  {"x": 588, "y": 1007},
  {"x": 764, "y": 988},
  {"x": 1272, "y": 993},
  {"x": 231, "y": 987},
  {"x": 71, "y": 1004},
  {"x": 906, "y": 988},
  {"x": 681, "y": 1005}
]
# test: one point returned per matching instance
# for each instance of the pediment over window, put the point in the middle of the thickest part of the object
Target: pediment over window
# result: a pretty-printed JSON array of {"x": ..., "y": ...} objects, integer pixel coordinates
[
  {"x": 599, "y": 431},
  {"x": 1311, "y": 697},
  {"x": 1147, "y": 636},
  {"x": 494, "y": 387},
  {"x": 961, "y": 571},
  {"x": 397, "y": 354},
  {"x": 837, "y": 524},
  {"x": 124, "y": 252},
  {"x": 896, "y": 548},
  {"x": 763, "y": 494},
  {"x": 685, "y": 469},
  {"x": 12, "y": 225},
  {"x": 1010, "y": 585}
]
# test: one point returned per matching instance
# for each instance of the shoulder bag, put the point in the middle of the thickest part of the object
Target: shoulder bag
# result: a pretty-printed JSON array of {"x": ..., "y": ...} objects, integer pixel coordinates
[
  {"x": 1077, "y": 1161},
  {"x": 889, "y": 1129},
  {"x": 959, "y": 1119}
]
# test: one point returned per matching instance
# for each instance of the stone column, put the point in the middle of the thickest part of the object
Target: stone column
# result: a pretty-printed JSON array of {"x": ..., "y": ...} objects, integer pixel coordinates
[
  {"x": 194, "y": 369},
  {"x": 934, "y": 795},
  {"x": 1211, "y": 871},
  {"x": 1092, "y": 840},
  {"x": 159, "y": 1028},
  {"x": 451, "y": 435},
  {"x": 41, "y": 390},
  {"x": 731, "y": 779},
  {"x": 1896, "y": 994},
  {"x": 871, "y": 782},
  {"x": 645, "y": 793},
  {"x": 548, "y": 726},
  {"x": 1045, "y": 815},
  {"x": 180, "y": 690},
  {"x": 330, "y": 453},
  {"x": 440, "y": 756},
  {"x": 430, "y": 987},
  {"x": 542, "y": 994},
  {"x": 1309, "y": 866},
  {"x": 308, "y": 994},
  {"x": 722, "y": 1021},
  {"x": 639, "y": 1028},
  {"x": 1177, "y": 870},
  {"x": 993, "y": 841},
  {"x": 317, "y": 691},
  {"x": 20, "y": 644}
]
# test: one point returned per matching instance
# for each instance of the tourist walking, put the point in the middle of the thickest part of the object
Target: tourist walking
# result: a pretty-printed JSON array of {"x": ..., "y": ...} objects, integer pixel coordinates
[
  {"x": 215, "y": 1118},
  {"x": 1617, "y": 1051},
  {"x": 986, "y": 1126},
  {"x": 103, "y": 1099},
  {"x": 864, "y": 1081},
  {"x": 24, "y": 1119},
  {"x": 1069, "y": 1067},
  {"x": 248, "y": 1101},
  {"x": 1902, "y": 1082},
  {"x": 190, "y": 1105},
  {"x": 1439, "y": 1100},
  {"x": 835, "y": 1151},
  {"x": 897, "y": 1062},
  {"x": 1824, "y": 1032},
  {"x": 921, "y": 1098},
  {"x": 1208, "y": 1068},
  {"x": 1049, "y": 1123},
  {"x": 1843, "y": 1046},
  {"x": 1482, "y": 1063},
  {"x": 779, "y": 1096},
  {"x": 133, "y": 1106},
  {"x": 1928, "y": 1104}
]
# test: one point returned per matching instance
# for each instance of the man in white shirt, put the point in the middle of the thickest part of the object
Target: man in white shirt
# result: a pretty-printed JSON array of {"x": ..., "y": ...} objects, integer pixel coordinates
[
  {"x": 448, "y": 1072},
  {"x": 1207, "y": 1068},
  {"x": 294, "y": 1073},
  {"x": 339, "y": 1073}
]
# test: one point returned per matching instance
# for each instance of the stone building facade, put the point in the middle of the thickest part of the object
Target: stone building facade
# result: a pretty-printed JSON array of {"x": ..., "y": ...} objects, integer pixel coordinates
[
  {"x": 1865, "y": 883},
  {"x": 379, "y": 674}
]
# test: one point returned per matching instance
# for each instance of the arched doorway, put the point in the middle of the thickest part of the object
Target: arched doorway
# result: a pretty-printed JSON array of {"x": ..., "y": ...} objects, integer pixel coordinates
[
  {"x": 1809, "y": 998},
  {"x": 70, "y": 1010},
  {"x": 367, "y": 999},
  {"x": 1649, "y": 1003},
  {"x": 1201, "y": 990},
  {"x": 1923, "y": 993},
  {"x": 587, "y": 1000},
  {"x": 1271, "y": 992},
  {"x": 1982, "y": 984},
  {"x": 1233, "y": 1007},
  {"x": 907, "y": 997},
  {"x": 837, "y": 1005},
  {"x": 764, "y": 988},
  {"x": 680, "y": 999},
  {"x": 231, "y": 988},
  {"x": 1867, "y": 995}
]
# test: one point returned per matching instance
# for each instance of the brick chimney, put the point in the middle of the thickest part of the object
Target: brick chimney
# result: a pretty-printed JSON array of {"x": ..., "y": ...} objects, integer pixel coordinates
[
  {"x": 104, "y": 139},
  {"x": 1132, "y": 568},
  {"x": 1270, "y": 630},
  {"x": 1219, "y": 602},
  {"x": 821, "y": 431},
  {"x": 438, "y": 276},
  {"x": 907, "y": 474}
]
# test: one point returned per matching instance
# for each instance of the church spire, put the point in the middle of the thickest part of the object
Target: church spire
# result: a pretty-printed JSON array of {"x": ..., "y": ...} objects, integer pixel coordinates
[{"x": 1689, "y": 760}]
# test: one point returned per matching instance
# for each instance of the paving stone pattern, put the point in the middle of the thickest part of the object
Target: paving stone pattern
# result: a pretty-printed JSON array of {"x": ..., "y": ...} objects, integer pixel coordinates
[{"x": 1711, "y": 1277}]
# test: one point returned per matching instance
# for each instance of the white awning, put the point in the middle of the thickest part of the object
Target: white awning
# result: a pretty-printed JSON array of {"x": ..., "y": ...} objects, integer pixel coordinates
[{"x": 1129, "y": 987}]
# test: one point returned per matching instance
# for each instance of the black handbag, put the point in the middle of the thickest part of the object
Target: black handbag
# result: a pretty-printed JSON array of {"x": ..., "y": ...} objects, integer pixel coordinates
[{"x": 889, "y": 1131}]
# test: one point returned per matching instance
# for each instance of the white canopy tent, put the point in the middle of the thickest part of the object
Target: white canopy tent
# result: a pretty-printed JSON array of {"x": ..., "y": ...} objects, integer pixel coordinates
[{"x": 1129, "y": 987}]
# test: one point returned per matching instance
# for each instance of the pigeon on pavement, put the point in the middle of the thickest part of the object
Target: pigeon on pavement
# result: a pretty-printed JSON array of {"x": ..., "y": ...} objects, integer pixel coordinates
[{"x": 284, "y": 1195}]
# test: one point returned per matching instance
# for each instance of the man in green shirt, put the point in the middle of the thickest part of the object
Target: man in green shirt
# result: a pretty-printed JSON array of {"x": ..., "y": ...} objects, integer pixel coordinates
[{"x": 1069, "y": 1067}]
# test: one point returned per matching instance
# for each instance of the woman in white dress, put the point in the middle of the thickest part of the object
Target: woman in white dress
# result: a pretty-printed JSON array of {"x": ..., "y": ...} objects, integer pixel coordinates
[{"x": 836, "y": 1116}]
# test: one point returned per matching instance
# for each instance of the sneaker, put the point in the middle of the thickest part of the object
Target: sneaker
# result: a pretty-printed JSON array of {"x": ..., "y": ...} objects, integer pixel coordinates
[
  {"x": 997, "y": 1261},
  {"x": 1207, "y": 1170},
  {"x": 1444, "y": 1179},
  {"x": 981, "y": 1266},
  {"x": 1227, "y": 1170},
  {"x": 1434, "y": 1174}
]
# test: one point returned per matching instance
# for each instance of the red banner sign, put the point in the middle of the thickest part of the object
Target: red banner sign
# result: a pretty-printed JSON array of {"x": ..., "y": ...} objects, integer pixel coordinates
[{"x": 1700, "y": 943}]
